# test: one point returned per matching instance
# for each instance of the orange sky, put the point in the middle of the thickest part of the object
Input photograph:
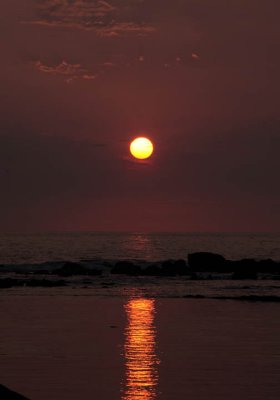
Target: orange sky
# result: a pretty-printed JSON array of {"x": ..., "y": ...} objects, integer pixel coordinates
[{"x": 79, "y": 79}]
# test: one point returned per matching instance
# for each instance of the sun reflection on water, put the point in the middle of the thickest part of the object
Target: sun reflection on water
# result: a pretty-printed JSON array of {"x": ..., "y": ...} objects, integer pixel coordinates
[{"x": 140, "y": 351}]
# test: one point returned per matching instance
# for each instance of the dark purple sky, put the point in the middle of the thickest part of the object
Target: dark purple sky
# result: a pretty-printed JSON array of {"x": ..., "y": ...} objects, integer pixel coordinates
[{"x": 80, "y": 79}]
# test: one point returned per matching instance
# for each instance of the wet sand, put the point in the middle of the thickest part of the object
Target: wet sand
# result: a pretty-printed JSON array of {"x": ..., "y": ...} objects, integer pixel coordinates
[{"x": 95, "y": 347}]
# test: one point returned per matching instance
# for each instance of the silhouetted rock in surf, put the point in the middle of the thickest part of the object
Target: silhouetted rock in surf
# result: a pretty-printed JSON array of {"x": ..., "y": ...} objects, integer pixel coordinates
[
  {"x": 181, "y": 267},
  {"x": 126, "y": 267},
  {"x": 11, "y": 282},
  {"x": 174, "y": 268},
  {"x": 240, "y": 275},
  {"x": 71, "y": 268},
  {"x": 269, "y": 266},
  {"x": 252, "y": 298},
  {"x": 201, "y": 265},
  {"x": 7, "y": 394},
  {"x": 207, "y": 262},
  {"x": 167, "y": 268},
  {"x": 44, "y": 283},
  {"x": 152, "y": 270},
  {"x": 246, "y": 268},
  {"x": 41, "y": 272},
  {"x": 8, "y": 283},
  {"x": 251, "y": 267},
  {"x": 246, "y": 264}
]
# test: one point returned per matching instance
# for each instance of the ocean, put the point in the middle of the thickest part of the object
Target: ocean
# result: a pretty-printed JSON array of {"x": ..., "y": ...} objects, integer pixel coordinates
[
  {"x": 75, "y": 246},
  {"x": 119, "y": 337}
]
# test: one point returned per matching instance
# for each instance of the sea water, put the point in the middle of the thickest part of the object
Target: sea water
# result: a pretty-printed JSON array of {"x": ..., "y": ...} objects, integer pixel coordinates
[
  {"x": 139, "y": 348},
  {"x": 139, "y": 338},
  {"x": 74, "y": 246}
]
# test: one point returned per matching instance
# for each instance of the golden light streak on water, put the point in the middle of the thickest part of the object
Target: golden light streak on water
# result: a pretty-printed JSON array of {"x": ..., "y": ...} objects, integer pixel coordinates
[{"x": 140, "y": 351}]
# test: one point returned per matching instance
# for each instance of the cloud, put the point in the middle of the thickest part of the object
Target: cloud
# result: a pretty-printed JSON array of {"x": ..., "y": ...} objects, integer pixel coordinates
[
  {"x": 195, "y": 57},
  {"x": 99, "y": 16},
  {"x": 77, "y": 11},
  {"x": 69, "y": 71},
  {"x": 120, "y": 29}
]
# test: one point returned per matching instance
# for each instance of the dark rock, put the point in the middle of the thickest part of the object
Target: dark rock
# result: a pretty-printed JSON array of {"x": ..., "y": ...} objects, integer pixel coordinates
[
  {"x": 269, "y": 299},
  {"x": 181, "y": 267},
  {"x": 23, "y": 272},
  {"x": 126, "y": 268},
  {"x": 7, "y": 394},
  {"x": 207, "y": 262},
  {"x": 71, "y": 268},
  {"x": 167, "y": 268},
  {"x": 44, "y": 283},
  {"x": 246, "y": 268},
  {"x": 152, "y": 270},
  {"x": 249, "y": 267},
  {"x": 41, "y": 272},
  {"x": 9, "y": 283},
  {"x": 94, "y": 272},
  {"x": 246, "y": 264},
  {"x": 239, "y": 275},
  {"x": 269, "y": 266},
  {"x": 252, "y": 298},
  {"x": 107, "y": 284},
  {"x": 194, "y": 277},
  {"x": 173, "y": 268},
  {"x": 194, "y": 296}
]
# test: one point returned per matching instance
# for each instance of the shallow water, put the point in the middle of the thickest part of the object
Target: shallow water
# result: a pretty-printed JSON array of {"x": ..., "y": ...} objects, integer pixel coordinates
[
  {"x": 152, "y": 287},
  {"x": 139, "y": 348}
]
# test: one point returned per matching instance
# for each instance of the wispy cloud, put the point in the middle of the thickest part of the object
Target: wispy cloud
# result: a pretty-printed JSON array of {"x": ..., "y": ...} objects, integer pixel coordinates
[
  {"x": 69, "y": 72},
  {"x": 120, "y": 29},
  {"x": 93, "y": 15}
]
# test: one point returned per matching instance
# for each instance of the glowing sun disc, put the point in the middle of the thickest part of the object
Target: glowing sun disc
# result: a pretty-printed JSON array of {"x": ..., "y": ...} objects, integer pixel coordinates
[{"x": 141, "y": 148}]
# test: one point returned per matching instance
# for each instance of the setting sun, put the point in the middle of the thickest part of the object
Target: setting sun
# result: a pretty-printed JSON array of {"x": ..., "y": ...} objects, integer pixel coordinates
[{"x": 141, "y": 148}]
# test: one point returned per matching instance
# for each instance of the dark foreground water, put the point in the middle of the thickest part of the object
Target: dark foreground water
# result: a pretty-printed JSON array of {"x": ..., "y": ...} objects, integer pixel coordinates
[{"x": 72, "y": 346}]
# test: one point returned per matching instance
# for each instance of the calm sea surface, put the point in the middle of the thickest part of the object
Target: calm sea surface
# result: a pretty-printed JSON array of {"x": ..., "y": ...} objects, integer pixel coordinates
[
  {"x": 139, "y": 348},
  {"x": 36, "y": 248}
]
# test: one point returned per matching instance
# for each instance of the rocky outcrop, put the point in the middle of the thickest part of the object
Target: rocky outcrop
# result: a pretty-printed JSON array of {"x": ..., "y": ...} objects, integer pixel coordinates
[
  {"x": 174, "y": 268},
  {"x": 7, "y": 283},
  {"x": 126, "y": 268},
  {"x": 71, "y": 268},
  {"x": 151, "y": 270},
  {"x": 247, "y": 268},
  {"x": 207, "y": 262},
  {"x": 7, "y": 394}
]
